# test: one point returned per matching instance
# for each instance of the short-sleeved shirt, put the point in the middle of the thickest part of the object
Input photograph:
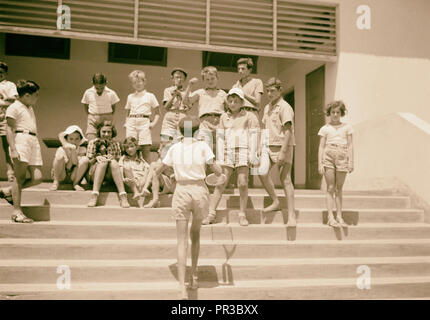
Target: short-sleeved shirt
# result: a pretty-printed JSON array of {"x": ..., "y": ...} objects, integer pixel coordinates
[
  {"x": 251, "y": 88},
  {"x": 188, "y": 159},
  {"x": 237, "y": 129},
  {"x": 24, "y": 116},
  {"x": 137, "y": 166},
  {"x": 100, "y": 104},
  {"x": 141, "y": 103},
  {"x": 337, "y": 135},
  {"x": 7, "y": 91},
  {"x": 274, "y": 119},
  {"x": 168, "y": 93},
  {"x": 114, "y": 149},
  {"x": 210, "y": 104}
]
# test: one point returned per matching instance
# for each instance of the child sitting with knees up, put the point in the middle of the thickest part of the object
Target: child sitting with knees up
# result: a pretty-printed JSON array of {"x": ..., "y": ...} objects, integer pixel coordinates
[
  {"x": 70, "y": 162},
  {"x": 135, "y": 170}
]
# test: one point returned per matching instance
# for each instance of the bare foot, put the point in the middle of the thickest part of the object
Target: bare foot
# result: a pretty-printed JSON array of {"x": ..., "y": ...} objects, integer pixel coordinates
[
  {"x": 292, "y": 222},
  {"x": 183, "y": 292},
  {"x": 77, "y": 187},
  {"x": 154, "y": 203},
  {"x": 54, "y": 186},
  {"x": 273, "y": 207},
  {"x": 136, "y": 196},
  {"x": 145, "y": 192}
]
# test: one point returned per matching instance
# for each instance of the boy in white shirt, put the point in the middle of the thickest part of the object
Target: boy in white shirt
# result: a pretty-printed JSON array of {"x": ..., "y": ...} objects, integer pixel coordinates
[
  {"x": 24, "y": 146},
  {"x": 252, "y": 88},
  {"x": 8, "y": 95},
  {"x": 188, "y": 159},
  {"x": 140, "y": 106},
  {"x": 100, "y": 103}
]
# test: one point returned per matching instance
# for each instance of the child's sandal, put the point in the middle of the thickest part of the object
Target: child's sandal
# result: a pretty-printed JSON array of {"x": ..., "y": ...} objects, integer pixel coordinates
[{"x": 21, "y": 218}]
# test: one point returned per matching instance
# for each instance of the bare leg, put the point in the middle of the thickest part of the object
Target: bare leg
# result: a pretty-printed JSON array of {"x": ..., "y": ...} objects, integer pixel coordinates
[
  {"x": 195, "y": 250},
  {"x": 289, "y": 193},
  {"x": 117, "y": 178},
  {"x": 9, "y": 165},
  {"x": 242, "y": 183},
  {"x": 329, "y": 175},
  {"x": 130, "y": 181},
  {"x": 340, "y": 180},
  {"x": 182, "y": 236},
  {"x": 155, "y": 187},
  {"x": 146, "y": 151},
  {"x": 99, "y": 175},
  {"x": 267, "y": 182},
  {"x": 216, "y": 197},
  {"x": 59, "y": 171},
  {"x": 79, "y": 173}
]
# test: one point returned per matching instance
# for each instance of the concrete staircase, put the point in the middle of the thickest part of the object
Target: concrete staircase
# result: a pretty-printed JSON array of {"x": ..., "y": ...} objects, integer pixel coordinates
[{"x": 115, "y": 253}]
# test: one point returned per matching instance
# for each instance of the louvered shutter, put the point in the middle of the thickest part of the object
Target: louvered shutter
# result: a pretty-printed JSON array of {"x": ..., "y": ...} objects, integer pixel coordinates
[
  {"x": 242, "y": 23},
  {"x": 174, "y": 20},
  {"x": 306, "y": 28}
]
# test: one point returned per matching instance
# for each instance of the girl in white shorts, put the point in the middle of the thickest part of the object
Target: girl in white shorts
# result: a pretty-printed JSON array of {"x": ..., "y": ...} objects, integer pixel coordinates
[{"x": 335, "y": 159}]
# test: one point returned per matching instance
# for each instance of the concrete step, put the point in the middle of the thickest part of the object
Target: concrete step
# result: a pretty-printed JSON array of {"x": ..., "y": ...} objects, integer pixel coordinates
[
  {"x": 257, "y": 201},
  {"x": 220, "y": 249},
  {"x": 210, "y": 270},
  {"x": 339, "y": 288},
  {"x": 220, "y": 231},
  {"x": 353, "y": 216}
]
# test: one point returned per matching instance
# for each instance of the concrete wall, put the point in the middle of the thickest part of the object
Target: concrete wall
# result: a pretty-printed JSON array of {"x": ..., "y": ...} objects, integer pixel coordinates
[
  {"x": 63, "y": 83},
  {"x": 393, "y": 152}
]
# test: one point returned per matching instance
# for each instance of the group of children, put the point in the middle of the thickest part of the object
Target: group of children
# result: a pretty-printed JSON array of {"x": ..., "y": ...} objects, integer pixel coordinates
[{"x": 228, "y": 123}]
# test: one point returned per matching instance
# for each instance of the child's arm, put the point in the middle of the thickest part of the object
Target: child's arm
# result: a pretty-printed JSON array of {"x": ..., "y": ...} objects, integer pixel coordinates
[
  {"x": 320, "y": 154},
  {"x": 216, "y": 168},
  {"x": 255, "y": 101},
  {"x": 10, "y": 138},
  {"x": 86, "y": 107},
  {"x": 282, "y": 154},
  {"x": 168, "y": 99},
  {"x": 160, "y": 169},
  {"x": 350, "y": 154},
  {"x": 64, "y": 143},
  {"x": 156, "y": 117},
  {"x": 113, "y": 108},
  {"x": 189, "y": 101}
]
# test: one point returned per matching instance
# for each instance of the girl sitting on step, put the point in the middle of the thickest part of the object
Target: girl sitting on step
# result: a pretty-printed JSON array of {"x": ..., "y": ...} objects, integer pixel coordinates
[
  {"x": 335, "y": 159},
  {"x": 105, "y": 164},
  {"x": 134, "y": 168}
]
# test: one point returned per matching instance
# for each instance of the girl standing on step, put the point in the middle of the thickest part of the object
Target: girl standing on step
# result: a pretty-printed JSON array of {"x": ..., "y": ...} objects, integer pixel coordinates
[
  {"x": 105, "y": 164},
  {"x": 335, "y": 159}
]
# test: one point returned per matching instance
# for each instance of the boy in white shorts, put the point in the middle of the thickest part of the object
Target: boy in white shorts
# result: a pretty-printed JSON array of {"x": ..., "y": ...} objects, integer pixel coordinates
[
  {"x": 211, "y": 103},
  {"x": 188, "y": 159},
  {"x": 140, "y": 106},
  {"x": 8, "y": 95},
  {"x": 100, "y": 103},
  {"x": 278, "y": 120},
  {"x": 24, "y": 146},
  {"x": 236, "y": 126}
]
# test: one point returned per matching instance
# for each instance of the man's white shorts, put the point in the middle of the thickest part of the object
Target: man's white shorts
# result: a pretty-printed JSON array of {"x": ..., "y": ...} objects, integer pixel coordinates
[{"x": 28, "y": 148}]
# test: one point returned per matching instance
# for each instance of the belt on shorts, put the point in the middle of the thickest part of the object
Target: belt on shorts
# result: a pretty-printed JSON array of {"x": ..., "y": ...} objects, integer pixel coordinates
[
  {"x": 138, "y": 116},
  {"x": 337, "y": 145},
  {"x": 210, "y": 114},
  {"x": 250, "y": 109},
  {"x": 26, "y": 132}
]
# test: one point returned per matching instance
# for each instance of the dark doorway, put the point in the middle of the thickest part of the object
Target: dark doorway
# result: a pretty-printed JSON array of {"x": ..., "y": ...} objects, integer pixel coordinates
[
  {"x": 315, "y": 119},
  {"x": 289, "y": 97}
]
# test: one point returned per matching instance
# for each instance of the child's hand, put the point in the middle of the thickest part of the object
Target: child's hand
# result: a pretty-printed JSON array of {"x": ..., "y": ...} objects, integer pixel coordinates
[
  {"x": 350, "y": 167},
  {"x": 69, "y": 146},
  {"x": 109, "y": 157},
  {"x": 193, "y": 81},
  {"x": 14, "y": 154},
  {"x": 281, "y": 158},
  {"x": 101, "y": 159},
  {"x": 320, "y": 169},
  {"x": 151, "y": 125}
]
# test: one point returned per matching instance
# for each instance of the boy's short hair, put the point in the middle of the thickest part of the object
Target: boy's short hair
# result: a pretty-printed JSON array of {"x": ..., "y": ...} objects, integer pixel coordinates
[
  {"x": 106, "y": 123},
  {"x": 274, "y": 82},
  {"x": 4, "y": 66},
  {"x": 184, "y": 125},
  {"x": 336, "y": 104},
  {"x": 26, "y": 86},
  {"x": 99, "y": 78},
  {"x": 137, "y": 75},
  {"x": 248, "y": 61},
  {"x": 179, "y": 70},
  {"x": 209, "y": 70}
]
